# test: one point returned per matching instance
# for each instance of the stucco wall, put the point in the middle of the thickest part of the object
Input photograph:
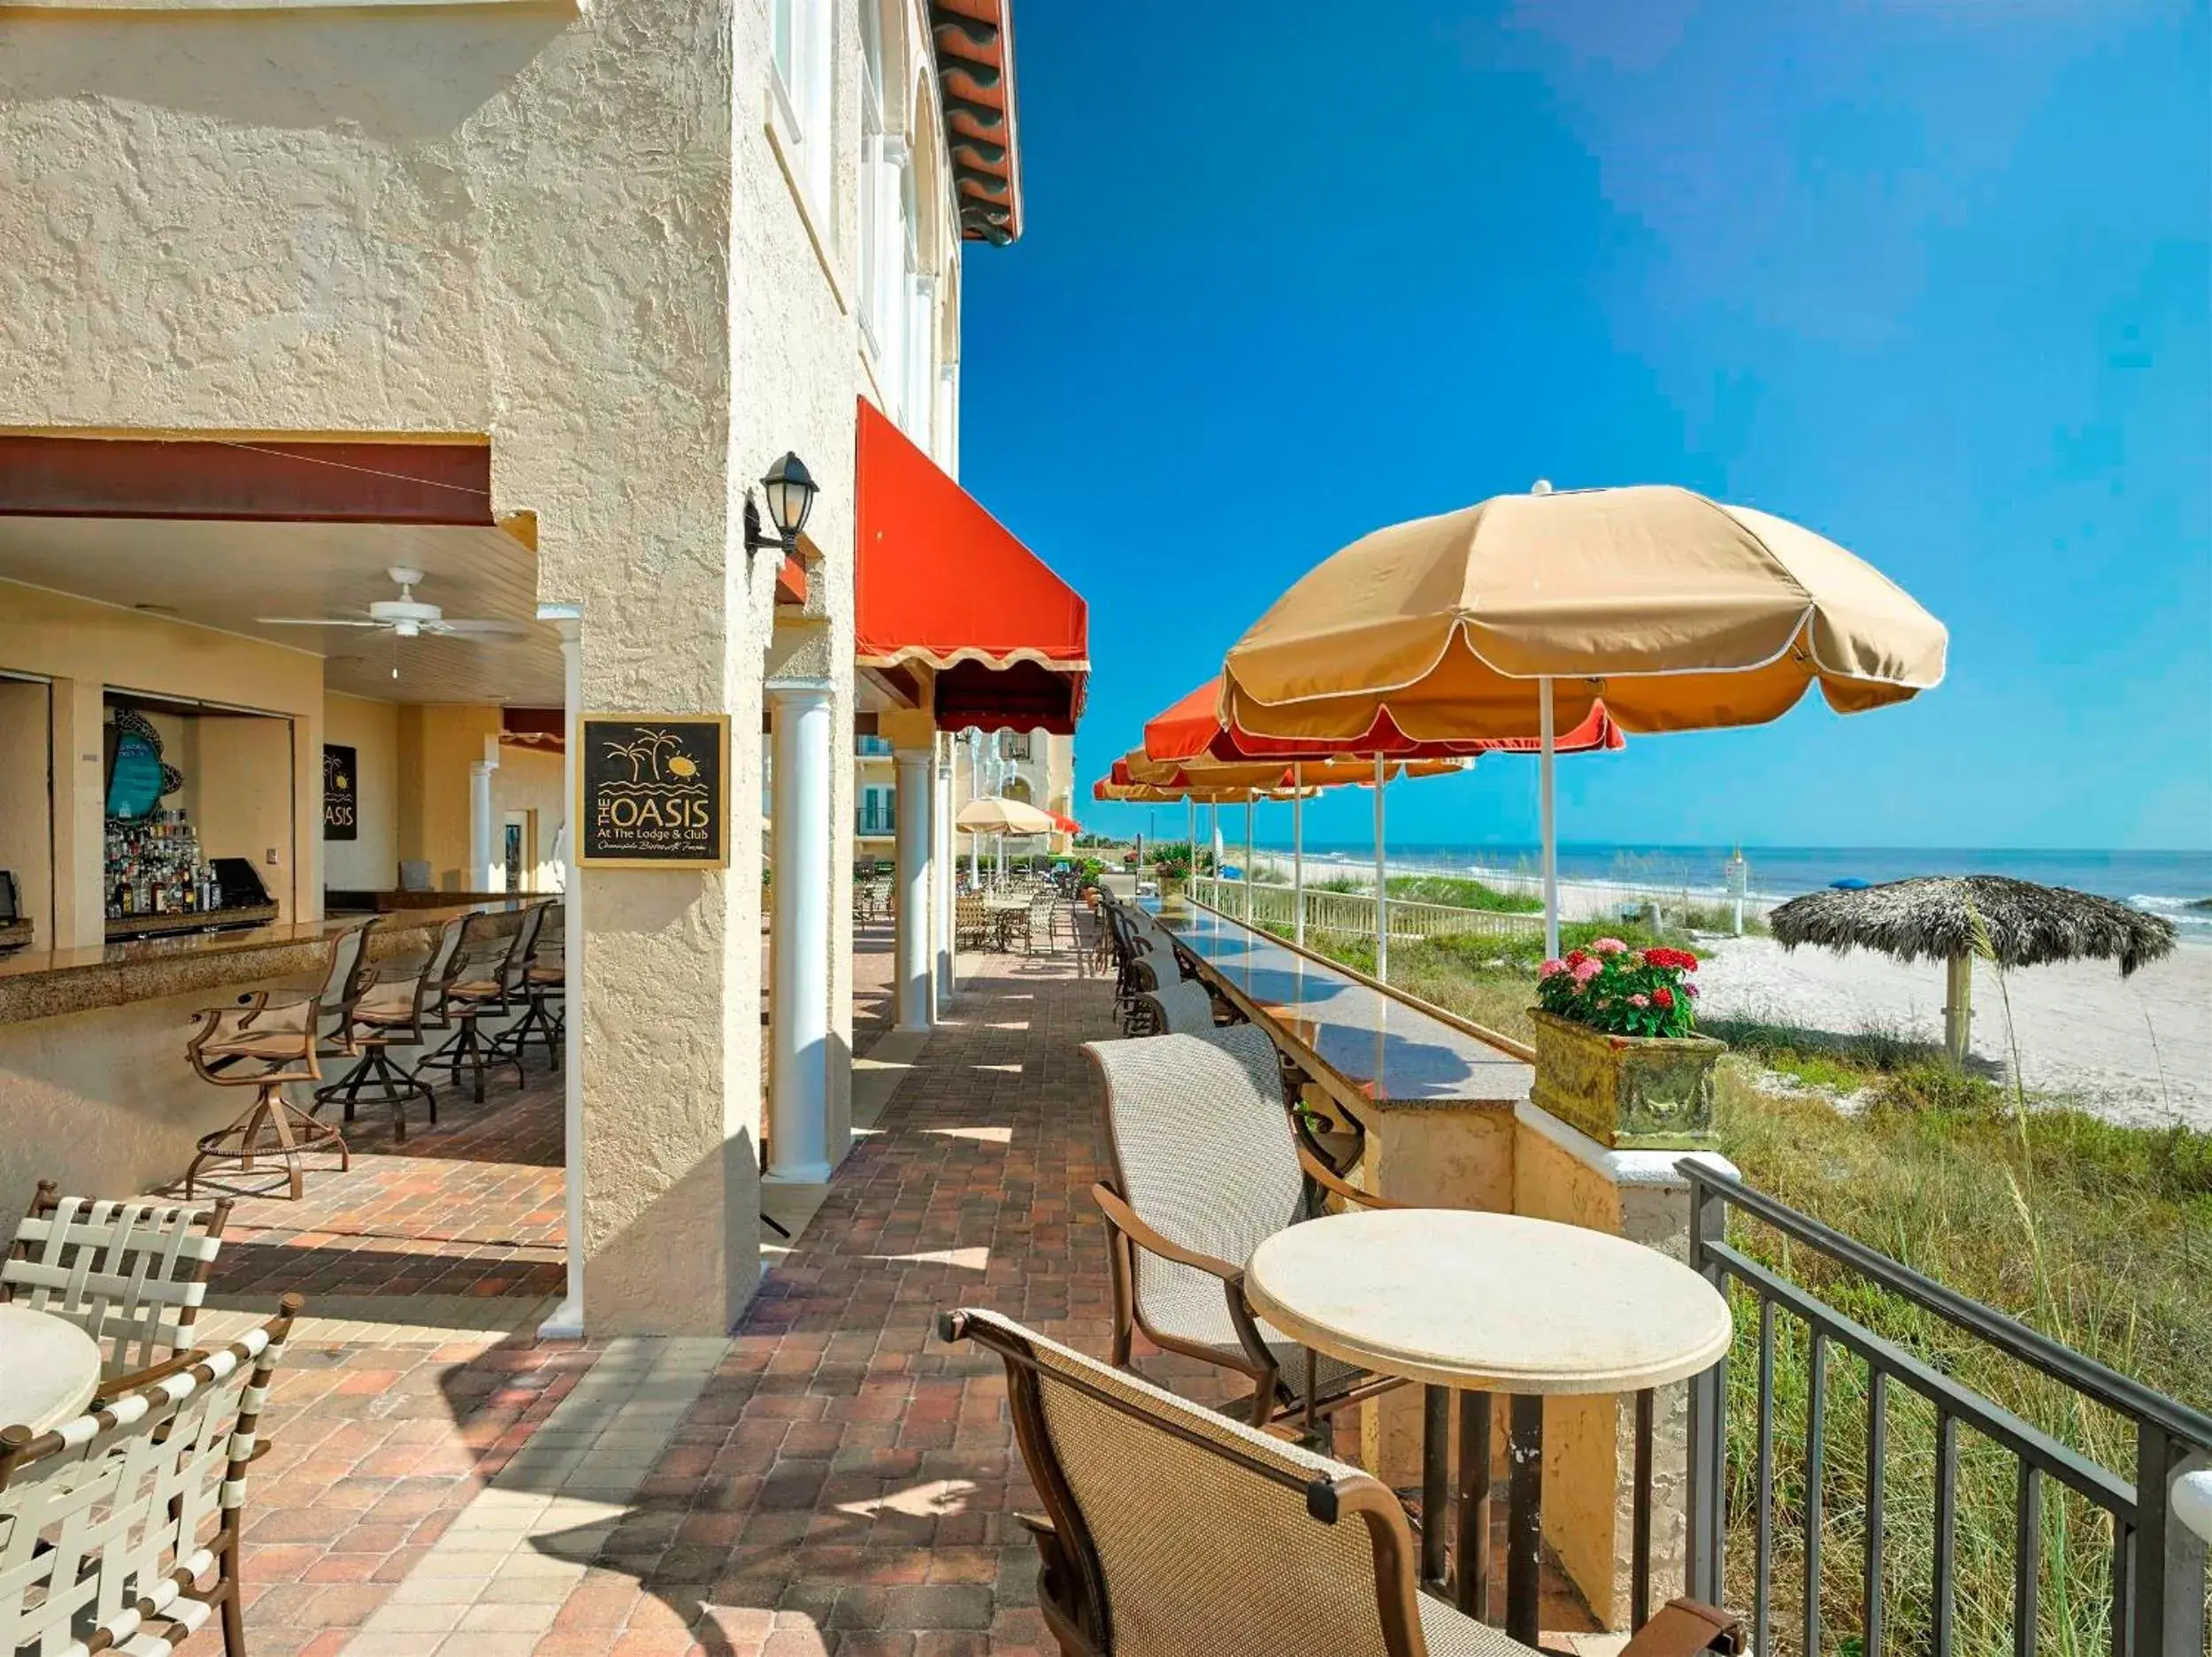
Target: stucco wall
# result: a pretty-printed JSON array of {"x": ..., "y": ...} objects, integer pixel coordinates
[
  {"x": 26, "y": 811},
  {"x": 569, "y": 232},
  {"x": 530, "y": 781},
  {"x": 370, "y": 861}
]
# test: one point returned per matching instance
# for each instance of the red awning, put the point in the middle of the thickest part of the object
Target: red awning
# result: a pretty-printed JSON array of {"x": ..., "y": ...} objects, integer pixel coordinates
[
  {"x": 1192, "y": 727},
  {"x": 941, "y": 582}
]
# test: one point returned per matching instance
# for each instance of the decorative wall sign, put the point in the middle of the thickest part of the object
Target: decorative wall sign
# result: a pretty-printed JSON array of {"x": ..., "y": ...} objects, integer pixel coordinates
[
  {"x": 137, "y": 776},
  {"x": 341, "y": 793},
  {"x": 653, "y": 790}
]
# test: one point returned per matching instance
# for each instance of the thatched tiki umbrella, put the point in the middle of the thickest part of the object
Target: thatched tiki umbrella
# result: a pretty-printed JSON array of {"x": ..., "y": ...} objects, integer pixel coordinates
[{"x": 1955, "y": 917}]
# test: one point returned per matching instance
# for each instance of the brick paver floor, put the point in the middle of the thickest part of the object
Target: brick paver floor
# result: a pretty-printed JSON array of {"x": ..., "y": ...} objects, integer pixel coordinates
[
  {"x": 833, "y": 1480},
  {"x": 403, "y": 1389}
]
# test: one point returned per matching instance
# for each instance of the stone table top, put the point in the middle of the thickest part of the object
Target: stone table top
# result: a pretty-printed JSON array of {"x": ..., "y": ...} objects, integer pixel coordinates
[
  {"x": 49, "y": 1368},
  {"x": 1490, "y": 1302},
  {"x": 1380, "y": 1047}
]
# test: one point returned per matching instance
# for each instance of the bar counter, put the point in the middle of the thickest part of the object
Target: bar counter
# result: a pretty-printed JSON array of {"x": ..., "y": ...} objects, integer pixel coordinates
[
  {"x": 46, "y": 983},
  {"x": 95, "y": 1089}
]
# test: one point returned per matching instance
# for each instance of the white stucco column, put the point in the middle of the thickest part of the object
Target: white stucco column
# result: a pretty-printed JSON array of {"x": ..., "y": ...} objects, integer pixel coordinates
[
  {"x": 940, "y": 827},
  {"x": 484, "y": 873},
  {"x": 798, "y": 934},
  {"x": 566, "y": 1322},
  {"x": 917, "y": 893}
]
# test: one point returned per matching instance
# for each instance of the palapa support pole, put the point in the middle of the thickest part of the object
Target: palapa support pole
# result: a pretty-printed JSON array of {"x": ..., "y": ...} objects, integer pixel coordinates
[
  {"x": 1547, "y": 754},
  {"x": 1958, "y": 1005},
  {"x": 1298, "y": 855},
  {"x": 1382, "y": 885},
  {"x": 1190, "y": 830}
]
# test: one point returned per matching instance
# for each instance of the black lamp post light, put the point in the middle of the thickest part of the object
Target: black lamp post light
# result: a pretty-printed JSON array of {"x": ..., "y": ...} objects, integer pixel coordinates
[{"x": 789, "y": 489}]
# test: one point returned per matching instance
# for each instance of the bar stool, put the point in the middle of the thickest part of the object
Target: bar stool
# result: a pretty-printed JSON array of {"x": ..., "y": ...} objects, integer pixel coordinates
[
  {"x": 394, "y": 1012},
  {"x": 263, "y": 1042},
  {"x": 544, "y": 979},
  {"x": 482, "y": 982}
]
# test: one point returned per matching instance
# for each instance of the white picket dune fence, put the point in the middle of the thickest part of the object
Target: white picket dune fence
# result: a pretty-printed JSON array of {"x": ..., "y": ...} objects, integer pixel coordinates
[{"x": 1353, "y": 913}]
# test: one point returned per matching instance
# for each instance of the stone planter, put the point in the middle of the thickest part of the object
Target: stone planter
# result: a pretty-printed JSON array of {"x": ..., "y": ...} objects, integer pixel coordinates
[{"x": 1650, "y": 1093}]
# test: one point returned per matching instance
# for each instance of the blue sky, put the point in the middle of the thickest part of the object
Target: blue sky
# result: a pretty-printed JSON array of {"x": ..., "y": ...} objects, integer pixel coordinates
[{"x": 1930, "y": 276}]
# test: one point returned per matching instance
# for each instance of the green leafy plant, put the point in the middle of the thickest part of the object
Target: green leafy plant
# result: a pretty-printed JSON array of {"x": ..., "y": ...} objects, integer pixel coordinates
[{"x": 1621, "y": 991}]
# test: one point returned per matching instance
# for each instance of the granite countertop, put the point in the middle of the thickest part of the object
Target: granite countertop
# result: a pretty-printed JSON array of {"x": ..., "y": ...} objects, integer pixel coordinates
[
  {"x": 46, "y": 983},
  {"x": 1382, "y": 1048}
]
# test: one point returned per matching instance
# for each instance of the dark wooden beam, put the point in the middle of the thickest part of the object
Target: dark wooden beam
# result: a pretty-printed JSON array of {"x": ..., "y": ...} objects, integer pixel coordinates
[{"x": 247, "y": 480}]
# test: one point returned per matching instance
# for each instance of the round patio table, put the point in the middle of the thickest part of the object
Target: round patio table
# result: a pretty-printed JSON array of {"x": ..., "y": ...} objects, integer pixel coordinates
[
  {"x": 1479, "y": 1303},
  {"x": 49, "y": 1368}
]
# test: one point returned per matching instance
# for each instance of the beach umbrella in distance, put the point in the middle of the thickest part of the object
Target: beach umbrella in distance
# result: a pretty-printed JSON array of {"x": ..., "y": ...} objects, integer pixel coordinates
[
  {"x": 1520, "y": 614},
  {"x": 1194, "y": 730},
  {"x": 994, "y": 815},
  {"x": 1952, "y": 918}
]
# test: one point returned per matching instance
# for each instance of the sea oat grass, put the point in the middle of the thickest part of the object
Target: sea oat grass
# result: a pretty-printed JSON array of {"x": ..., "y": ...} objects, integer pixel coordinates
[{"x": 2098, "y": 1235}]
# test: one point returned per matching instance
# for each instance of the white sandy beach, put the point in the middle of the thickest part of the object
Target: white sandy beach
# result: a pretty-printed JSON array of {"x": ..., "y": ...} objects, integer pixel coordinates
[{"x": 2135, "y": 1050}]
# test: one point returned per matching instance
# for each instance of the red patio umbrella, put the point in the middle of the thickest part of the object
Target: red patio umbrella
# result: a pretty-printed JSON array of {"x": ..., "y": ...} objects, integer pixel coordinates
[{"x": 1195, "y": 728}]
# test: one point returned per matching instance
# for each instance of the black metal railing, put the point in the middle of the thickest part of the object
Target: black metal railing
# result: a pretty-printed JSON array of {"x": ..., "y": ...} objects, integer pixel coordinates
[{"x": 2151, "y": 1567}]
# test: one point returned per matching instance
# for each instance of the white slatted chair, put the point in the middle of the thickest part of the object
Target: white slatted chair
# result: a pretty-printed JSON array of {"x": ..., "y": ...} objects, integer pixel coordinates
[
  {"x": 118, "y": 1531},
  {"x": 131, "y": 1274},
  {"x": 1206, "y": 1168}
]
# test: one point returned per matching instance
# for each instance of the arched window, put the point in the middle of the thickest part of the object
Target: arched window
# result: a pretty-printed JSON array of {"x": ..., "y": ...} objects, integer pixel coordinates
[{"x": 1018, "y": 788}]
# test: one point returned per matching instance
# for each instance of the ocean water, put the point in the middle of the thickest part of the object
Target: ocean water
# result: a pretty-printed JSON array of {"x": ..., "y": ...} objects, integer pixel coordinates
[{"x": 2162, "y": 882}]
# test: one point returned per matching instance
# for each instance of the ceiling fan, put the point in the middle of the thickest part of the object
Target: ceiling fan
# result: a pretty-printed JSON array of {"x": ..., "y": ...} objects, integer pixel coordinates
[{"x": 405, "y": 617}]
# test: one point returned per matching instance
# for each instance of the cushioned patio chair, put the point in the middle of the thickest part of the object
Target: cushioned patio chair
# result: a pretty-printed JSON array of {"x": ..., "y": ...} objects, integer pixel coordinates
[
  {"x": 119, "y": 1529},
  {"x": 398, "y": 1010},
  {"x": 1206, "y": 1167},
  {"x": 131, "y": 1274},
  {"x": 266, "y": 1040},
  {"x": 1168, "y": 1529},
  {"x": 543, "y": 980},
  {"x": 1185, "y": 1008},
  {"x": 484, "y": 982}
]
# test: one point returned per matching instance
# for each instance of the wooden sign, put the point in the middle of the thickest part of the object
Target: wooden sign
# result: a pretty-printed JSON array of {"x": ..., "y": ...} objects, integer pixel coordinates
[
  {"x": 341, "y": 793},
  {"x": 653, "y": 790}
]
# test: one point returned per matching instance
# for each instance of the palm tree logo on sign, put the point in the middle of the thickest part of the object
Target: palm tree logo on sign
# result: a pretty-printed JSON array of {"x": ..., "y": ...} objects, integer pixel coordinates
[{"x": 653, "y": 796}]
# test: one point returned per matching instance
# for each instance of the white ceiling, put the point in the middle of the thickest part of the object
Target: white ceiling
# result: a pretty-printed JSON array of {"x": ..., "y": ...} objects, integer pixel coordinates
[{"x": 223, "y": 574}]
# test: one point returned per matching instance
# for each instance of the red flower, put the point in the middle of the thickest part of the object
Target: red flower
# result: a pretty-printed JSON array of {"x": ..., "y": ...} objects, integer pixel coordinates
[
  {"x": 1576, "y": 957},
  {"x": 1663, "y": 997},
  {"x": 1680, "y": 959}
]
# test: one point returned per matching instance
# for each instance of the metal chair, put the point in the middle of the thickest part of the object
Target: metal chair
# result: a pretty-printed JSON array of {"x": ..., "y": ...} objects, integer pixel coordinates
[
  {"x": 482, "y": 984},
  {"x": 131, "y": 1274},
  {"x": 1167, "y": 1530},
  {"x": 1206, "y": 1167},
  {"x": 544, "y": 980},
  {"x": 119, "y": 1530},
  {"x": 1185, "y": 1008},
  {"x": 268, "y": 1039},
  {"x": 396, "y": 1012}
]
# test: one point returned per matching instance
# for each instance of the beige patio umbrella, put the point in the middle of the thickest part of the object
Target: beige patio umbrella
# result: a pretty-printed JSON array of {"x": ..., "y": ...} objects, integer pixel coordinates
[
  {"x": 996, "y": 815},
  {"x": 1519, "y": 613}
]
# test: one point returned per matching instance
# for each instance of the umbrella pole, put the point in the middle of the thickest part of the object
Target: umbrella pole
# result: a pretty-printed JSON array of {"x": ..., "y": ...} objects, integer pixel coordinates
[
  {"x": 1213, "y": 886},
  {"x": 1382, "y": 885},
  {"x": 1547, "y": 824},
  {"x": 1298, "y": 855},
  {"x": 1250, "y": 806},
  {"x": 1190, "y": 830},
  {"x": 1958, "y": 1006}
]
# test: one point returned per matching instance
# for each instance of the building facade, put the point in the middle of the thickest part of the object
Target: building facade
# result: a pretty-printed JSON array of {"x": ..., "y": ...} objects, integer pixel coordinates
[{"x": 527, "y": 298}]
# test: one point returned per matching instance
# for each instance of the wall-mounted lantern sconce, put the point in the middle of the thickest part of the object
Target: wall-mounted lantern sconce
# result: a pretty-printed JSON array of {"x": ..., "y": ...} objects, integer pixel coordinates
[{"x": 789, "y": 489}]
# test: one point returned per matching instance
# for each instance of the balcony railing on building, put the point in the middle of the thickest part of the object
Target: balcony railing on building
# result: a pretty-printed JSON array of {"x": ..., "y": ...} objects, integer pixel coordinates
[{"x": 873, "y": 818}]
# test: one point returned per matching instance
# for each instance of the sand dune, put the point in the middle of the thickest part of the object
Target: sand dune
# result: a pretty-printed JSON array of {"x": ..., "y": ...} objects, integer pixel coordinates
[{"x": 2136, "y": 1050}]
